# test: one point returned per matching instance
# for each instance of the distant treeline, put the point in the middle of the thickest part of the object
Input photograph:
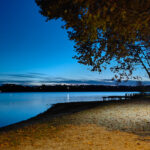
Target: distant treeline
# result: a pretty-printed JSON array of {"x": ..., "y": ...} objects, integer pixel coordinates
[{"x": 71, "y": 88}]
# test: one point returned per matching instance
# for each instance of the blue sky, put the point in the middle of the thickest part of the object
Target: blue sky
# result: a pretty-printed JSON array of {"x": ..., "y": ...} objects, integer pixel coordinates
[{"x": 32, "y": 49}]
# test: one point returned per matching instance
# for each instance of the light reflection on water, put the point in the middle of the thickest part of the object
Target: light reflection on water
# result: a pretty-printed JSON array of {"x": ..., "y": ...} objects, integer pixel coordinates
[{"x": 15, "y": 107}]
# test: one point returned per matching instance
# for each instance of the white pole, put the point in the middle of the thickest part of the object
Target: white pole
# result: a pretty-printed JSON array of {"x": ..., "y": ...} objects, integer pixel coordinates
[{"x": 68, "y": 98}]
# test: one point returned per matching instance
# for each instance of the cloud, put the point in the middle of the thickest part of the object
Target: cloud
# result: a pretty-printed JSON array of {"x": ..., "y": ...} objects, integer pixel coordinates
[
  {"x": 48, "y": 82},
  {"x": 24, "y": 78},
  {"x": 15, "y": 82},
  {"x": 72, "y": 81},
  {"x": 39, "y": 79},
  {"x": 25, "y": 75},
  {"x": 38, "y": 74}
]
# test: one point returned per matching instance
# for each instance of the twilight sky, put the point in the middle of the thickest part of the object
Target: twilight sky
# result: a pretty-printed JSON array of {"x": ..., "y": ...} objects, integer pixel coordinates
[{"x": 32, "y": 50}]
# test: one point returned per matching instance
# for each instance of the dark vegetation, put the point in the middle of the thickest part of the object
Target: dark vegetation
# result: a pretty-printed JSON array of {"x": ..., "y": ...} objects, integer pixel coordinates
[{"x": 71, "y": 88}]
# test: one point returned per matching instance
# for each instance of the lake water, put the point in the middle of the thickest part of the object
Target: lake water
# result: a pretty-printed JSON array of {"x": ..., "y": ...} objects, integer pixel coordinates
[{"x": 15, "y": 107}]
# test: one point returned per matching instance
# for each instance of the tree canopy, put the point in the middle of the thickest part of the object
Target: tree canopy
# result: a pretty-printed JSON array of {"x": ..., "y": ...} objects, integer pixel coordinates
[{"x": 106, "y": 31}]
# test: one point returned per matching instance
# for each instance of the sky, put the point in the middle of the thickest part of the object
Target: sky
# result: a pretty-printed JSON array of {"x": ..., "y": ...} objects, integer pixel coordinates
[{"x": 35, "y": 51}]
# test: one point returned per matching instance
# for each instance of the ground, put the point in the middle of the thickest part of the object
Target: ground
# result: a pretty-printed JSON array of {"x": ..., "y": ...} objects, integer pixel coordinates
[{"x": 117, "y": 125}]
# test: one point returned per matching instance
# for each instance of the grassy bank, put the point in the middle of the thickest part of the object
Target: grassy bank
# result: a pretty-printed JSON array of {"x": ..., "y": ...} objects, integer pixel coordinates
[{"x": 85, "y": 125}]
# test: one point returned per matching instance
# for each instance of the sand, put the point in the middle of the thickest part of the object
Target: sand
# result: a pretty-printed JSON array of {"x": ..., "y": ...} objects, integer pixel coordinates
[{"x": 113, "y": 125}]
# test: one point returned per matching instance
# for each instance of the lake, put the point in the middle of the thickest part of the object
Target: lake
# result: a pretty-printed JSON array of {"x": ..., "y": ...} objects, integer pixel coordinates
[{"x": 15, "y": 107}]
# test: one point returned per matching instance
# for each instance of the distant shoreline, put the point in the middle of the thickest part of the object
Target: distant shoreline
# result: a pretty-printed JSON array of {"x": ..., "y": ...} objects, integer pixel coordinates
[
  {"x": 61, "y": 91},
  {"x": 72, "y": 88}
]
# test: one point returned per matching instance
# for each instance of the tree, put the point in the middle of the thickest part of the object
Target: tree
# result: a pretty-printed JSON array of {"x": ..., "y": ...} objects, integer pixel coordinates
[{"x": 115, "y": 32}]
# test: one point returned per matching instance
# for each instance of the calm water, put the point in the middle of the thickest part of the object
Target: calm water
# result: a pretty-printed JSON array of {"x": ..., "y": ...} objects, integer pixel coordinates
[{"x": 15, "y": 107}]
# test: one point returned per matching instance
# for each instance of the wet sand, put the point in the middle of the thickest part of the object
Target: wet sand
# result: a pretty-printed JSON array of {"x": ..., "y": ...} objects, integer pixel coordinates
[{"x": 112, "y": 125}]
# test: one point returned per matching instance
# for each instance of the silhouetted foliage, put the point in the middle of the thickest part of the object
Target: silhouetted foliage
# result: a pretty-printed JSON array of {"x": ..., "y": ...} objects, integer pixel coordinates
[
  {"x": 106, "y": 31},
  {"x": 72, "y": 88}
]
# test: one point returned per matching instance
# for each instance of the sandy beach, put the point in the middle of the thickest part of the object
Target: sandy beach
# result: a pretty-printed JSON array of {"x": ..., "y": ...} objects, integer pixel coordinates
[{"x": 112, "y": 125}]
